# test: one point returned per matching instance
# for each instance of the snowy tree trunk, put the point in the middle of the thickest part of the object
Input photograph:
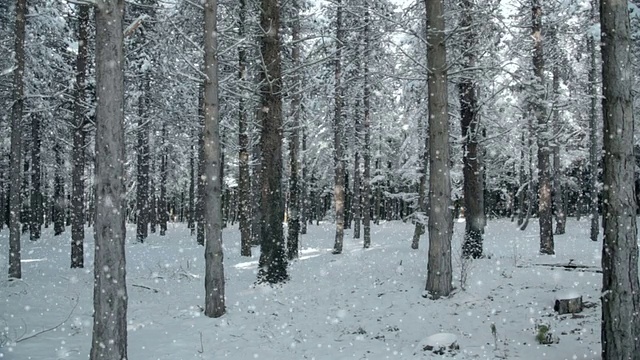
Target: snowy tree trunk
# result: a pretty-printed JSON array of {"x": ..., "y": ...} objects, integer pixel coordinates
[
  {"x": 366, "y": 151},
  {"x": 15, "y": 269},
  {"x": 191, "y": 217},
  {"x": 244, "y": 178},
  {"x": 304, "y": 210},
  {"x": 419, "y": 228},
  {"x": 214, "y": 270},
  {"x": 357, "y": 187},
  {"x": 338, "y": 161},
  {"x": 142, "y": 153},
  {"x": 79, "y": 139},
  {"x": 620, "y": 287},
  {"x": 273, "y": 258},
  {"x": 473, "y": 187},
  {"x": 594, "y": 153},
  {"x": 163, "y": 215},
  {"x": 58, "y": 192},
  {"x": 522, "y": 182},
  {"x": 109, "y": 341},
  {"x": 294, "y": 147},
  {"x": 35, "y": 219},
  {"x": 439, "y": 272},
  {"x": 153, "y": 199},
  {"x": 200, "y": 203},
  {"x": 544, "y": 177},
  {"x": 558, "y": 193}
]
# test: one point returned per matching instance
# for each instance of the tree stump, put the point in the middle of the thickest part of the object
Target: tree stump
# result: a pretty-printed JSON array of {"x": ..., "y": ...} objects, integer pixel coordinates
[
  {"x": 569, "y": 304},
  {"x": 441, "y": 343}
]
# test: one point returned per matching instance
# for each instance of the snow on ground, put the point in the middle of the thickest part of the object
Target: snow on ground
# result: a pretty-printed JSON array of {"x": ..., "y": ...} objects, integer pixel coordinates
[{"x": 363, "y": 304}]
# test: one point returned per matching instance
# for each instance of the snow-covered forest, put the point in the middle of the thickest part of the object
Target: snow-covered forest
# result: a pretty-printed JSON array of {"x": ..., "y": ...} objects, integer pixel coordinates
[{"x": 365, "y": 179}]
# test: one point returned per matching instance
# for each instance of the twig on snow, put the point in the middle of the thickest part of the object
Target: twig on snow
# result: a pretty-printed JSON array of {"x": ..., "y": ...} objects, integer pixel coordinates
[{"x": 51, "y": 328}]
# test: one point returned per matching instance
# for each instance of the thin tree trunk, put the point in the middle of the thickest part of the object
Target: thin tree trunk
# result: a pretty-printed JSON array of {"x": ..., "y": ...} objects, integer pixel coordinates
[
  {"x": 192, "y": 192},
  {"x": 109, "y": 341},
  {"x": 200, "y": 203},
  {"x": 357, "y": 187},
  {"x": 366, "y": 156},
  {"x": 214, "y": 270},
  {"x": 15, "y": 269},
  {"x": 153, "y": 199},
  {"x": 142, "y": 189},
  {"x": 439, "y": 273},
  {"x": 273, "y": 258},
  {"x": 522, "y": 182},
  {"x": 594, "y": 153},
  {"x": 620, "y": 287},
  {"x": 419, "y": 228},
  {"x": 163, "y": 215},
  {"x": 58, "y": 193},
  {"x": 256, "y": 194},
  {"x": 36, "y": 188},
  {"x": 244, "y": 177},
  {"x": 79, "y": 137},
  {"x": 304, "y": 209},
  {"x": 294, "y": 147},
  {"x": 473, "y": 189},
  {"x": 338, "y": 161},
  {"x": 558, "y": 193}
]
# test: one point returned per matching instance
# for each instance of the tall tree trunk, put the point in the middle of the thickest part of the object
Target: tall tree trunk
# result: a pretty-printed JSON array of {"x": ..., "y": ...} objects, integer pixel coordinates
[
  {"x": 522, "y": 182},
  {"x": 473, "y": 189},
  {"x": 304, "y": 210},
  {"x": 142, "y": 189},
  {"x": 163, "y": 215},
  {"x": 366, "y": 156},
  {"x": 594, "y": 154},
  {"x": 79, "y": 137},
  {"x": 357, "y": 187},
  {"x": 544, "y": 178},
  {"x": 214, "y": 270},
  {"x": 36, "y": 189},
  {"x": 273, "y": 258},
  {"x": 620, "y": 286},
  {"x": 15, "y": 269},
  {"x": 294, "y": 147},
  {"x": 256, "y": 193},
  {"x": 338, "y": 161},
  {"x": 439, "y": 274},
  {"x": 192, "y": 191},
  {"x": 153, "y": 199},
  {"x": 421, "y": 210},
  {"x": 558, "y": 193},
  {"x": 58, "y": 192},
  {"x": 200, "y": 203},
  {"x": 244, "y": 178},
  {"x": 109, "y": 341}
]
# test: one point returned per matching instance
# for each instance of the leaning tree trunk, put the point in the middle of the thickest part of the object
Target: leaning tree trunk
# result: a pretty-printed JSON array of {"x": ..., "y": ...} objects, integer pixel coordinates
[
  {"x": 294, "y": 147},
  {"x": 273, "y": 258},
  {"x": 15, "y": 269},
  {"x": 338, "y": 161},
  {"x": 473, "y": 189},
  {"x": 439, "y": 273},
  {"x": 244, "y": 178},
  {"x": 109, "y": 341},
  {"x": 79, "y": 137},
  {"x": 544, "y": 178},
  {"x": 620, "y": 287},
  {"x": 214, "y": 270},
  {"x": 594, "y": 153}
]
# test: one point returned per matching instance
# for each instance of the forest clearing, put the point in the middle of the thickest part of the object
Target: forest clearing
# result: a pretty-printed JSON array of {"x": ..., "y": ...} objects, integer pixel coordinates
[{"x": 366, "y": 304}]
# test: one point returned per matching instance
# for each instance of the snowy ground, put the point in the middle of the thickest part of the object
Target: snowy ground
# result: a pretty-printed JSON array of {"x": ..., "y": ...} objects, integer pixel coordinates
[{"x": 358, "y": 305}]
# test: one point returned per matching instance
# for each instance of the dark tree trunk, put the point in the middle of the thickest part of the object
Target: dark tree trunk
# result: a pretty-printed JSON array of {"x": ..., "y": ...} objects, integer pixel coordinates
[
  {"x": 439, "y": 274},
  {"x": 109, "y": 341},
  {"x": 200, "y": 203},
  {"x": 294, "y": 147},
  {"x": 163, "y": 215},
  {"x": 273, "y": 258},
  {"x": 191, "y": 218},
  {"x": 594, "y": 153},
  {"x": 544, "y": 177},
  {"x": 79, "y": 137},
  {"x": 35, "y": 220},
  {"x": 58, "y": 193},
  {"x": 304, "y": 210},
  {"x": 473, "y": 189},
  {"x": 15, "y": 269},
  {"x": 522, "y": 183},
  {"x": 420, "y": 208},
  {"x": 25, "y": 215},
  {"x": 620, "y": 287},
  {"x": 357, "y": 187},
  {"x": 142, "y": 189},
  {"x": 244, "y": 178},
  {"x": 256, "y": 188},
  {"x": 153, "y": 199},
  {"x": 558, "y": 193},
  {"x": 214, "y": 271},
  {"x": 338, "y": 161}
]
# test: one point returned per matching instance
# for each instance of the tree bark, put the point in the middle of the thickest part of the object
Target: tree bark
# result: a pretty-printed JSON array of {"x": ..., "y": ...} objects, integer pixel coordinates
[
  {"x": 366, "y": 151},
  {"x": 214, "y": 270},
  {"x": 473, "y": 189},
  {"x": 201, "y": 165},
  {"x": 15, "y": 268},
  {"x": 439, "y": 273},
  {"x": 545, "y": 214},
  {"x": 558, "y": 193},
  {"x": 163, "y": 215},
  {"x": 35, "y": 220},
  {"x": 79, "y": 137},
  {"x": 294, "y": 147},
  {"x": 620, "y": 287},
  {"x": 244, "y": 178},
  {"x": 304, "y": 210},
  {"x": 338, "y": 161},
  {"x": 191, "y": 218},
  {"x": 273, "y": 258},
  {"x": 142, "y": 189},
  {"x": 109, "y": 341},
  {"x": 58, "y": 192},
  {"x": 594, "y": 153}
]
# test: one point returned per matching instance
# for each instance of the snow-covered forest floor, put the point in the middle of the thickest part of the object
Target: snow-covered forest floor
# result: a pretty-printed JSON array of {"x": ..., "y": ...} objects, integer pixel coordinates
[{"x": 362, "y": 304}]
